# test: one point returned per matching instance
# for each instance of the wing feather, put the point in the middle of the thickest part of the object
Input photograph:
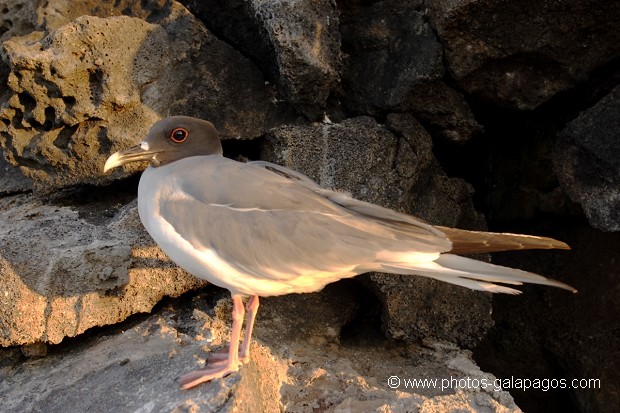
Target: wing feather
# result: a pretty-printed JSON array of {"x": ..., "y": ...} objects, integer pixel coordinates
[{"x": 469, "y": 242}]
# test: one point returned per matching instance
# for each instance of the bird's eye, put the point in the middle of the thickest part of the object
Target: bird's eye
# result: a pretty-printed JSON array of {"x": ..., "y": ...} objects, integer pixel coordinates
[{"x": 179, "y": 135}]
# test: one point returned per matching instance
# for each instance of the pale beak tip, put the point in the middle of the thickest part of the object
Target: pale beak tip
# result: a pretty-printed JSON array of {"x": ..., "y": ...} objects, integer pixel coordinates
[{"x": 112, "y": 162}]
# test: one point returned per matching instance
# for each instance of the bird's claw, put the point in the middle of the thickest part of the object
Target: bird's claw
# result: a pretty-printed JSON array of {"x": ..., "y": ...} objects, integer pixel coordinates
[
  {"x": 222, "y": 355},
  {"x": 215, "y": 370}
]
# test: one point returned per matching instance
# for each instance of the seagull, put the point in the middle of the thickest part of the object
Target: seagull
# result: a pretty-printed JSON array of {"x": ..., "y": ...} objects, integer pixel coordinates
[{"x": 259, "y": 229}]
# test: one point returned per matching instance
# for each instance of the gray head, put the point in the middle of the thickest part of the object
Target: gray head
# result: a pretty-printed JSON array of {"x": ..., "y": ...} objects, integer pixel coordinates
[{"x": 169, "y": 140}]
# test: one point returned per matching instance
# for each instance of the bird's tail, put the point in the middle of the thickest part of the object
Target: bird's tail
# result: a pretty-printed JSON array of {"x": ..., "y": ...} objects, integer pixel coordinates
[
  {"x": 470, "y": 242},
  {"x": 473, "y": 274}
]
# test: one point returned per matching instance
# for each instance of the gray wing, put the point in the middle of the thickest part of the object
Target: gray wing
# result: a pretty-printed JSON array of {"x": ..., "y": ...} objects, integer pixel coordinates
[
  {"x": 462, "y": 241},
  {"x": 395, "y": 220},
  {"x": 260, "y": 216}
]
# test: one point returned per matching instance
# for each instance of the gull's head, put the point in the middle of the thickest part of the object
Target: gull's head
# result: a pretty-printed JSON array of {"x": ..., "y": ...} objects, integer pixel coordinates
[{"x": 169, "y": 140}]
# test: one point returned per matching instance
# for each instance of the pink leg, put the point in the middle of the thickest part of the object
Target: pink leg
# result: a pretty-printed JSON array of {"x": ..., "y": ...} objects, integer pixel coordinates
[
  {"x": 244, "y": 354},
  {"x": 221, "y": 369},
  {"x": 251, "y": 310}
]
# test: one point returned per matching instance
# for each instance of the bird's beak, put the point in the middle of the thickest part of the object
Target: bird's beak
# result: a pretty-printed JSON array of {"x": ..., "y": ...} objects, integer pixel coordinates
[{"x": 140, "y": 152}]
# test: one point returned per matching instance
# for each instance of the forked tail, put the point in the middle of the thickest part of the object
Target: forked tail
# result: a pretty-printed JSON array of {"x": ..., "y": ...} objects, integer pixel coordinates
[{"x": 477, "y": 275}]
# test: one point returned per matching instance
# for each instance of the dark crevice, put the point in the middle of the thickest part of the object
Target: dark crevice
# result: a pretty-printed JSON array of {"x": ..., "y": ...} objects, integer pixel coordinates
[
  {"x": 366, "y": 326},
  {"x": 234, "y": 23},
  {"x": 242, "y": 149},
  {"x": 96, "y": 203},
  {"x": 95, "y": 81},
  {"x": 511, "y": 134},
  {"x": 27, "y": 101},
  {"x": 53, "y": 90},
  {"x": 50, "y": 119},
  {"x": 64, "y": 137},
  {"x": 17, "y": 119},
  {"x": 69, "y": 102},
  {"x": 105, "y": 144},
  {"x": 6, "y": 26}
]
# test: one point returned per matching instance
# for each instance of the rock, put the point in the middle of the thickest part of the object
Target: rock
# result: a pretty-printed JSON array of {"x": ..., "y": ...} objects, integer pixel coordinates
[
  {"x": 402, "y": 46},
  {"x": 253, "y": 114},
  {"x": 78, "y": 94},
  {"x": 566, "y": 334},
  {"x": 587, "y": 161},
  {"x": 519, "y": 54},
  {"x": 235, "y": 22},
  {"x": 296, "y": 42},
  {"x": 140, "y": 367},
  {"x": 434, "y": 197},
  {"x": 53, "y": 15},
  {"x": 293, "y": 372},
  {"x": 393, "y": 166},
  {"x": 356, "y": 155},
  {"x": 64, "y": 95},
  {"x": 317, "y": 319},
  {"x": 444, "y": 110},
  {"x": 406, "y": 71},
  {"x": 35, "y": 350},
  {"x": 306, "y": 39},
  {"x": 12, "y": 180},
  {"x": 424, "y": 71},
  {"x": 17, "y": 18},
  {"x": 335, "y": 382},
  {"x": 67, "y": 269}
]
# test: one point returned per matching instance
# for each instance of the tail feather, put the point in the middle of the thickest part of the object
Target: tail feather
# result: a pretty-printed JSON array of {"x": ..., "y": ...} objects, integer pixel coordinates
[
  {"x": 473, "y": 274},
  {"x": 469, "y": 242},
  {"x": 474, "y": 284}
]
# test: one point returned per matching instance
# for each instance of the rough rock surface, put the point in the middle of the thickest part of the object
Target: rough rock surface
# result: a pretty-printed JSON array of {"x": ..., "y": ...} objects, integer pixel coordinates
[
  {"x": 587, "y": 162},
  {"x": 306, "y": 40},
  {"x": 12, "y": 180},
  {"x": 17, "y": 17},
  {"x": 289, "y": 371},
  {"x": 139, "y": 367},
  {"x": 67, "y": 269},
  {"x": 491, "y": 82},
  {"x": 296, "y": 42},
  {"x": 57, "y": 122},
  {"x": 407, "y": 71},
  {"x": 519, "y": 54},
  {"x": 204, "y": 90},
  {"x": 95, "y": 85},
  {"x": 393, "y": 166}
]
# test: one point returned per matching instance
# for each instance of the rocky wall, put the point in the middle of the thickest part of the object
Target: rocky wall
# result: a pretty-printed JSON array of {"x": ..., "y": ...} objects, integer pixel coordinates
[{"x": 472, "y": 114}]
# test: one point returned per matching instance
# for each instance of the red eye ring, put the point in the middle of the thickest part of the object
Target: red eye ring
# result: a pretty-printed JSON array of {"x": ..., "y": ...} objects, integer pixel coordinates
[{"x": 179, "y": 135}]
